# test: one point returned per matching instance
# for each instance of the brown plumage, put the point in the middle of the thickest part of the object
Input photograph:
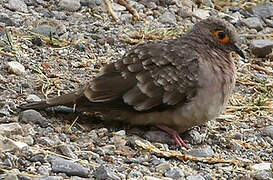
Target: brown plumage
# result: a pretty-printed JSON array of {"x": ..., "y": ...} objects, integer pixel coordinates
[{"x": 177, "y": 83}]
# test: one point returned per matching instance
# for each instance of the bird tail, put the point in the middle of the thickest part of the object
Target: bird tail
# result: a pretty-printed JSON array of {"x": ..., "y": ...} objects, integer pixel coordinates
[{"x": 66, "y": 100}]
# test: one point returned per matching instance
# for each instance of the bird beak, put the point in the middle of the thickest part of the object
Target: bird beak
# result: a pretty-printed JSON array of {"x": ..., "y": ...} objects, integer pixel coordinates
[{"x": 239, "y": 51}]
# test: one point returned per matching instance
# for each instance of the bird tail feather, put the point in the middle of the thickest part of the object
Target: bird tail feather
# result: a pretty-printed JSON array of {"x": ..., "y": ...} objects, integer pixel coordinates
[{"x": 66, "y": 100}]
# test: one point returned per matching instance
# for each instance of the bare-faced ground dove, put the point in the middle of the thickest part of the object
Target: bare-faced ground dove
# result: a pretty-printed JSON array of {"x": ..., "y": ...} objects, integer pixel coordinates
[{"x": 173, "y": 84}]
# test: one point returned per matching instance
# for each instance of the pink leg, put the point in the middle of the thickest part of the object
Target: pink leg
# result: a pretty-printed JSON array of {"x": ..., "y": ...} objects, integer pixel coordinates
[{"x": 174, "y": 134}]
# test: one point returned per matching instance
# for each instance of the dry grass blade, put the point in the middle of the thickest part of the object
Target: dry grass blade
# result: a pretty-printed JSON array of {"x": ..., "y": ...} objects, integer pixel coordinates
[
  {"x": 149, "y": 33},
  {"x": 110, "y": 10},
  {"x": 184, "y": 157},
  {"x": 129, "y": 8},
  {"x": 9, "y": 38}
]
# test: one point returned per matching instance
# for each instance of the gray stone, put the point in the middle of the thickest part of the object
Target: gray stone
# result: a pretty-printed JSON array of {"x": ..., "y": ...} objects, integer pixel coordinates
[
  {"x": 126, "y": 17},
  {"x": 268, "y": 131},
  {"x": 4, "y": 18},
  {"x": 268, "y": 22},
  {"x": 253, "y": 23},
  {"x": 201, "y": 152},
  {"x": 135, "y": 175},
  {"x": 151, "y": 178},
  {"x": 17, "y": 5},
  {"x": 11, "y": 177},
  {"x": 163, "y": 167},
  {"x": 79, "y": 178},
  {"x": 208, "y": 3},
  {"x": 59, "y": 15},
  {"x": 8, "y": 163},
  {"x": 118, "y": 7},
  {"x": 70, "y": 5},
  {"x": 263, "y": 175},
  {"x": 202, "y": 13},
  {"x": 120, "y": 133},
  {"x": 10, "y": 129},
  {"x": 70, "y": 168},
  {"x": 166, "y": 2},
  {"x": 38, "y": 157},
  {"x": 45, "y": 29},
  {"x": 91, "y": 3},
  {"x": 49, "y": 140},
  {"x": 149, "y": 4},
  {"x": 159, "y": 136},
  {"x": 34, "y": 117},
  {"x": 10, "y": 145},
  {"x": 264, "y": 10},
  {"x": 136, "y": 5},
  {"x": 168, "y": 18},
  {"x": 22, "y": 177},
  {"x": 45, "y": 169},
  {"x": 33, "y": 98},
  {"x": 49, "y": 178},
  {"x": 16, "y": 68},
  {"x": 252, "y": 31},
  {"x": 262, "y": 166},
  {"x": 261, "y": 47},
  {"x": 174, "y": 173},
  {"x": 195, "y": 177},
  {"x": 102, "y": 173},
  {"x": 66, "y": 150},
  {"x": 193, "y": 137}
]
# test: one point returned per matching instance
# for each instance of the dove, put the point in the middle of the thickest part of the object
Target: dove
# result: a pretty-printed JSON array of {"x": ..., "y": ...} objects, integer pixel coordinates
[{"x": 172, "y": 84}]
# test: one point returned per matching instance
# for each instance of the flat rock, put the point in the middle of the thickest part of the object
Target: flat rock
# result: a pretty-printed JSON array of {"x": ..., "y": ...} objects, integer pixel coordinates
[
  {"x": 193, "y": 136},
  {"x": 34, "y": 117},
  {"x": 195, "y": 177},
  {"x": 201, "y": 152},
  {"x": 17, "y": 5},
  {"x": 174, "y": 173},
  {"x": 263, "y": 175},
  {"x": 262, "y": 166},
  {"x": 10, "y": 145},
  {"x": 4, "y": 18},
  {"x": 60, "y": 165},
  {"x": 261, "y": 47},
  {"x": 10, "y": 129},
  {"x": 167, "y": 18},
  {"x": 264, "y": 10},
  {"x": 268, "y": 131},
  {"x": 91, "y": 3},
  {"x": 16, "y": 68},
  {"x": 103, "y": 172},
  {"x": 11, "y": 177},
  {"x": 70, "y": 5},
  {"x": 159, "y": 136},
  {"x": 135, "y": 175},
  {"x": 33, "y": 98},
  {"x": 45, "y": 29},
  {"x": 253, "y": 23},
  {"x": 201, "y": 13},
  {"x": 118, "y": 7}
]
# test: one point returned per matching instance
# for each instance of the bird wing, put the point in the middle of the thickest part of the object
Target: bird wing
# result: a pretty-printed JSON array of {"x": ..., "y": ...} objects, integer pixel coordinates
[{"x": 151, "y": 75}]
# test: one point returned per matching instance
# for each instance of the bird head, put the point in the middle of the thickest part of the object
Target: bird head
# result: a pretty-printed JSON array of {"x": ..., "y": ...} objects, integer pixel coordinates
[{"x": 218, "y": 33}]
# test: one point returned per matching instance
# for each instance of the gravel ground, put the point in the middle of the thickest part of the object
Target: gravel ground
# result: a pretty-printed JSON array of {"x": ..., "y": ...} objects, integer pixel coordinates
[{"x": 49, "y": 48}]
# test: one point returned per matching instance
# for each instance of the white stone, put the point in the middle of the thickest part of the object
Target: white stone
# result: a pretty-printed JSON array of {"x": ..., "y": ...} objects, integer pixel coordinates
[
  {"x": 70, "y": 5},
  {"x": 261, "y": 166},
  {"x": 16, "y": 67},
  {"x": 11, "y": 128},
  {"x": 11, "y": 145},
  {"x": 33, "y": 98},
  {"x": 202, "y": 13}
]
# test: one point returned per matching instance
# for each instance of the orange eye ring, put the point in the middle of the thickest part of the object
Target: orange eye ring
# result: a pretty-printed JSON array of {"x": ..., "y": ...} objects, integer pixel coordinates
[{"x": 221, "y": 36}]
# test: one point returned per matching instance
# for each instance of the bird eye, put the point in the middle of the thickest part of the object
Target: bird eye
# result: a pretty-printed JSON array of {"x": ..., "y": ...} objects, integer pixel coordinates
[{"x": 221, "y": 36}]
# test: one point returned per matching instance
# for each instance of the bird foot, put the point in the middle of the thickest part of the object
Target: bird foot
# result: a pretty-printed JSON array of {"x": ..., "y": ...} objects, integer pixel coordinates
[{"x": 174, "y": 134}]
